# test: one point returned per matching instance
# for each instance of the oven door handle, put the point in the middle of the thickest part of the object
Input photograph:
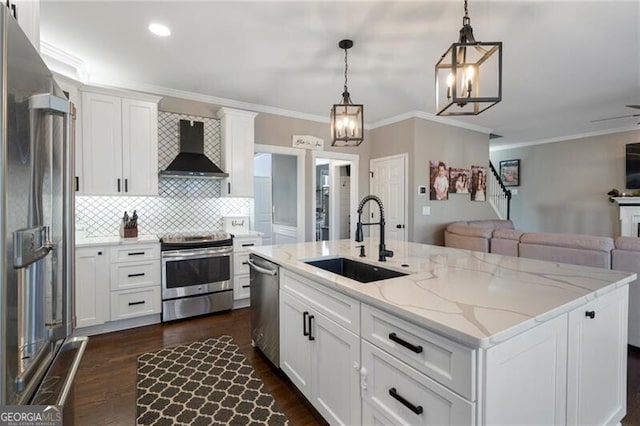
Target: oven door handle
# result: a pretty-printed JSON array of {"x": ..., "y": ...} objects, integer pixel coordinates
[
  {"x": 262, "y": 270},
  {"x": 194, "y": 254}
]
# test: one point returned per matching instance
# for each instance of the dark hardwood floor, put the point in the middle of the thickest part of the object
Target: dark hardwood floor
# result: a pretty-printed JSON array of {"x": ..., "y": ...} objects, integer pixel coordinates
[{"x": 105, "y": 385}]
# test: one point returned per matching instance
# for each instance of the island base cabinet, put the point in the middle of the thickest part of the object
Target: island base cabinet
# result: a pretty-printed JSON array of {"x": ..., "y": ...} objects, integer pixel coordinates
[
  {"x": 295, "y": 348},
  {"x": 400, "y": 394},
  {"x": 322, "y": 359},
  {"x": 596, "y": 393},
  {"x": 525, "y": 377}
]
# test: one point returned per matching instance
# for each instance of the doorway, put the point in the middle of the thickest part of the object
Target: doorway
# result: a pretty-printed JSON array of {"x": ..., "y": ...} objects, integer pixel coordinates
[
  {"x": 388, "y": 181},
  {"x": 279, "y": 194},
  {"x": 335, "y": 182}
]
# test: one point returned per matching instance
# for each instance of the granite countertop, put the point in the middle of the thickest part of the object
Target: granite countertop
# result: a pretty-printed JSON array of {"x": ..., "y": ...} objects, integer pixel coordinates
[
  {"x": 478, "y": 299},
  {"x": 115, "y": 240}
]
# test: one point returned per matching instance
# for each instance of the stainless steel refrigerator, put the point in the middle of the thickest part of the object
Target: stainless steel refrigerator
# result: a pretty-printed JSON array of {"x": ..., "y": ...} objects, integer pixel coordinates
[{"x": 38, "y": 358}]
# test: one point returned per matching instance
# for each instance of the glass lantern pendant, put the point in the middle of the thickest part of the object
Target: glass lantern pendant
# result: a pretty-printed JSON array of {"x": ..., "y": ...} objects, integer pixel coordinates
[
  {"x": 347, "y": 118},
  {"x": 469, "y": 74}
]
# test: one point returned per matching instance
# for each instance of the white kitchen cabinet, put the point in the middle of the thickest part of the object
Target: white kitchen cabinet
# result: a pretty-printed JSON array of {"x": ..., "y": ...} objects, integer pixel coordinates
[
  {"x": 119, "y": 145},
  {"x": 237, "y": 132},
  {"x": 408, "y": 397},
  {"x": 135, "y": 281},
  {"x": 596, "y": 378},
  {"x": 92, "y": 286},
  {"x": 116, "y": 283},
  {"x": 28, "y": 17},
  {"x": 525, "y": 377},
  {"x": 295, "y": 350},
  {"x": 321, "y": 358},
  {"x": 241, "y": 281}
]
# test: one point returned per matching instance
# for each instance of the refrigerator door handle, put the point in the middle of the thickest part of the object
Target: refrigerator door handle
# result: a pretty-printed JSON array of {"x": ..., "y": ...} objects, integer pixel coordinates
[{"x": 31, "y": 245}]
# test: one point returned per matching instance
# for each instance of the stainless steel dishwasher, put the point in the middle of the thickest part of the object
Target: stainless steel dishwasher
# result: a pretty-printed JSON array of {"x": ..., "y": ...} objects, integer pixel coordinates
[{"x": 265, "y": 322}]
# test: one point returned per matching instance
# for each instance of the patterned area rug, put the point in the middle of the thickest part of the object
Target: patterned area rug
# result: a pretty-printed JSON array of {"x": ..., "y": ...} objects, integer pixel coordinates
[{"x": 203, "y": 383}]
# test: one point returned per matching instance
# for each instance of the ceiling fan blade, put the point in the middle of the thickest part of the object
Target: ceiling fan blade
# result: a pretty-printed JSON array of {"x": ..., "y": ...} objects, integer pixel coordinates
[
  {"x": 615, "y": 118},
  {"x": 634, "y": 106}
]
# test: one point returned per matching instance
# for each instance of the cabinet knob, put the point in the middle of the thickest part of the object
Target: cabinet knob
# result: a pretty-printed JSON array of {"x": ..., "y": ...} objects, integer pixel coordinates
[
  {"x": 590, "y": 314},
  {"x": 99, "y": 253}
]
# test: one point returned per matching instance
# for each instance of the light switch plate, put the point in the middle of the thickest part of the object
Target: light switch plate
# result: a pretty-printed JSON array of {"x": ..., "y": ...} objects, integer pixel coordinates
[{"x": 426, "y": 211}]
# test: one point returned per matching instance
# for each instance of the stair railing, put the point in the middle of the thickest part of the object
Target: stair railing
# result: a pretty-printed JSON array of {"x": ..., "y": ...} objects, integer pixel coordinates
[{"x": 498, "y": 194}]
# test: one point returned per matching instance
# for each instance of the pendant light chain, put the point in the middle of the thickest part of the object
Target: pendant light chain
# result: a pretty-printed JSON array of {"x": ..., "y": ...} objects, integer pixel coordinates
[
  {"x": 466, "y": 9},
  {"x": 346, "y": 68}
]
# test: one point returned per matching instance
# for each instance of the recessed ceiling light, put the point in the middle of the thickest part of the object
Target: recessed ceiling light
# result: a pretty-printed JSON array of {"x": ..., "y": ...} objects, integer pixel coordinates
[{"x": 160, "y": 30}]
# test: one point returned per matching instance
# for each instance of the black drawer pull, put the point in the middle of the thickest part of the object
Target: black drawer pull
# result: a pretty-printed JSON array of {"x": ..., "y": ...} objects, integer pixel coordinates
[
  {"x": 414, "y": 348},
  {"x": 248, "y": 244},
  {"x": 136, "y": 303},
  {"x": 246, "y": 286},
  {"x": 590, "y": 314},
  {"x": 136, "y": 275},
  {"x": 245, "y": 263},
  {"x": 136, "y": 253},
  {"x": 305, "y": 314},
  {"x": 416, "y": 409},
  {"x": 311, "y": 318}
]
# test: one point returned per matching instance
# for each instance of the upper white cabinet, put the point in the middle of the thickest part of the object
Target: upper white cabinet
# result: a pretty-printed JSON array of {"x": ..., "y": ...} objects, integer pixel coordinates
[
  {"x": 28, "y": 17},
  {"x": 237, "y": 132},
  {"x": 119, "y": 144}
]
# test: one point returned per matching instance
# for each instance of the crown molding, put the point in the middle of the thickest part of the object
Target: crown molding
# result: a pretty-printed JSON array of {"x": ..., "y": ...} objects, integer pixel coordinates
[
  {"x": 564, "y": 138},
  {"x": 430, "y": 117},
  {"x": 63, "y": 63}
]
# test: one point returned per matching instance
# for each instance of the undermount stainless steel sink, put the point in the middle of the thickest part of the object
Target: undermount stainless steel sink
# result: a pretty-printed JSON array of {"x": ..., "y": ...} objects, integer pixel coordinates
[{"x": 359, "y": 271}]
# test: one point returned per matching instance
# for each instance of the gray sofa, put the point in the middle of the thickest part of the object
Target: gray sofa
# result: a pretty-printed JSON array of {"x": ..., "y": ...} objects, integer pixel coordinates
[{"x": 500, "y": 237}]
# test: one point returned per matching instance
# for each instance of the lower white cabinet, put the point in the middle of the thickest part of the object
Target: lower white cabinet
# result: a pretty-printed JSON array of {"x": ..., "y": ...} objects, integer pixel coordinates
[
  {"x": 406, "y": 396},
  {"x": 525, "y": 377},
  {"x": 322, "y": 359},
  {"x": 567, "y": 370},
  {"x": 92, "y": 286},
  {"x": 241, "y": 282},
  {"x": 115, "y": 283},
  {"x": 597, "y": 366}
]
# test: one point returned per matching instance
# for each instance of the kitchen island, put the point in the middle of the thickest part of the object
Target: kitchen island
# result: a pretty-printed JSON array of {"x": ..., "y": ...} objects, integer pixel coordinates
[{"x": 464, "y": 338}]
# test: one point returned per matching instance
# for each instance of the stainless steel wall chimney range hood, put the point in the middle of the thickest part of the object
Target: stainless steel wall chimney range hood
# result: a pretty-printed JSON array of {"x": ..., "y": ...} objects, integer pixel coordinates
[{"x": 191, "y": 161}]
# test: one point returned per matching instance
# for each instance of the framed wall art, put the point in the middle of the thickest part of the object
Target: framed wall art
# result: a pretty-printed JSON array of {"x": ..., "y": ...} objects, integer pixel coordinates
[
  {"x": 438, "y": 180},
  {"x": 510, "y": 172}
]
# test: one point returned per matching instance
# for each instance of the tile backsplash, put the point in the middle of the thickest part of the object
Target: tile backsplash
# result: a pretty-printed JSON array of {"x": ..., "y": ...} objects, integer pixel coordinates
[{"x": 182, "y": 205}]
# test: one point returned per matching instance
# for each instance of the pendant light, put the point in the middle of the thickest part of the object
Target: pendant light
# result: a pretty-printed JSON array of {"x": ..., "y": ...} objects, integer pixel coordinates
[
  {"x": 347, "y": 119},
  {"x": 469, "y": 74}
]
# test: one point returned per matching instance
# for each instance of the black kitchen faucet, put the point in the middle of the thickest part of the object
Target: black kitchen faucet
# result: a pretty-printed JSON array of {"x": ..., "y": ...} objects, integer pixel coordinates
[{"x": 383, "y": 252}]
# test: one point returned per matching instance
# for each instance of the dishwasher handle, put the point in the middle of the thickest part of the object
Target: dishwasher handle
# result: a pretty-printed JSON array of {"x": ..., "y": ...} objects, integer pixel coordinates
[{"x": 272, "y": 272}]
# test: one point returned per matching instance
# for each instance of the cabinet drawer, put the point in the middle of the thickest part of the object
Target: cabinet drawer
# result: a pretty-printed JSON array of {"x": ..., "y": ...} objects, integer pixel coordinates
[
  {"x": 241, "y": 288},
  {"x": 401, "y": 393},
  {"x": 134, "y": 303},
  {"x": 244, "y": 243},
  {"x": 446, "y": 362},
  {"x": 134, "y": 253},
  {"x": 129, "y": 275},
  {"x": 337, "y": 306},
  {"x": 240, "y": 263}
]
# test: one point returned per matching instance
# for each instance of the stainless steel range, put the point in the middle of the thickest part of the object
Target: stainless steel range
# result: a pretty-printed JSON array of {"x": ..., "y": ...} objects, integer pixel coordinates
[{"x": 197, "y": 274}]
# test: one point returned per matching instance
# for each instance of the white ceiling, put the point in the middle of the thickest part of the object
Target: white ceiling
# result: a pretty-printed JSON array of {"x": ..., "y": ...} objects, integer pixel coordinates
[{"x": 564, "y": 63}]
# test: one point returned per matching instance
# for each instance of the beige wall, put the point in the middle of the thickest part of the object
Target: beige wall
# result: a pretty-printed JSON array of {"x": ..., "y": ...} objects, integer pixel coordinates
[
  {"x": 277, "y": 130},
  {"x": 426, "y": 140},
  {"x": 564, "y": 184}
]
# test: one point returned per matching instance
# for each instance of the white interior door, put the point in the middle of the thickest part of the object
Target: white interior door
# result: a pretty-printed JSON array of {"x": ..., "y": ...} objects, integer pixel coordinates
[
  {"x": 263, "y": 206},
  {"x": 389, "y": 183}
]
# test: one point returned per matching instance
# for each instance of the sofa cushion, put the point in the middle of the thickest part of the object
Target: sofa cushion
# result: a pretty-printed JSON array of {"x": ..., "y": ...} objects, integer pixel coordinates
[
  {"x": 461, "y": 228},
  {"x": 507, "y": 234},
  {"x": 627, "y": 243},
  {"x": 492, "y": 224},
  {"x": 466, "y": 242},
  {"x": 575, "y": 241}
]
